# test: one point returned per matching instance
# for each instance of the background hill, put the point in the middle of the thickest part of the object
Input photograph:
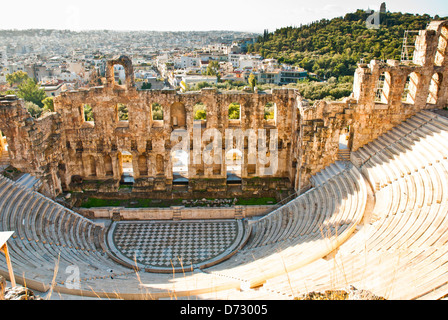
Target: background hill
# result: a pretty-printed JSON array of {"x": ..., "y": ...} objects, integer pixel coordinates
[{"x": 332, "y": 48}]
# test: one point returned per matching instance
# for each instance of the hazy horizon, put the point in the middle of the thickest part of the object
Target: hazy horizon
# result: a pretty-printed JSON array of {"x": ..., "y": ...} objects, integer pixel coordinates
[{"x": 193, "y": 15}]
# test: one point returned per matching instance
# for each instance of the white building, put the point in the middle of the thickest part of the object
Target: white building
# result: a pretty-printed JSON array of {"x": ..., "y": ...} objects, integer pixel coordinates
[
  {"x": 189, "y": 62},
  {"x": 120, "y": 74}
]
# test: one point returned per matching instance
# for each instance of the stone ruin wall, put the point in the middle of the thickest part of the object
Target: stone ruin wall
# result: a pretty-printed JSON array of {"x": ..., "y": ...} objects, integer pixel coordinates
[
  {"x": 149, "y": 140},
  {"x": 62, "y": 145},
  {"x": 368, "y": 117}
]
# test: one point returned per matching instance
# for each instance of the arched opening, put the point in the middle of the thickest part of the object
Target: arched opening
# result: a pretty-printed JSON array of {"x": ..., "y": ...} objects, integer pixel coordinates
[
  {"x": 234, "y": 158},
  {"x": 343, "y": 138},
  {"x": 178, "y": 115},
  {"x": 441, "y": 47},
  {"x": 234, "y": 111},
  {"x": 382, "y": 88},
  {"x": 126, "y": 167},
  {"x": 108, "y": 166},
  {"x": 345, "y": 145},
  {"x": 143, "y": 165},
  {"x": 4, "y": 153},
  {"x": 270, "y": 113},
  {"x": 119, "y": 75},
  {"x": 434, "y": 88},
  {"x": 180, "y": 160},
  {"x": 410, "y": 88}
]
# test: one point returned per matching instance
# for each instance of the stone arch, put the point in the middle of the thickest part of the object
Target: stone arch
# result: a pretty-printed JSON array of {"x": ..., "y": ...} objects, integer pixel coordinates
[
  {"x": 434, "y": 88},
  {"x": 410, "y": 88},
  {"x": 126, "y": 167},
  {"x": 180, "y": 161},
  {"x": 442, "y": 46},
  {"x": 126, "y": 63},
  {"x": 178, "y": 115},
  {"x": 234, "y": 161},
  {"x": 383, "y": 86}
]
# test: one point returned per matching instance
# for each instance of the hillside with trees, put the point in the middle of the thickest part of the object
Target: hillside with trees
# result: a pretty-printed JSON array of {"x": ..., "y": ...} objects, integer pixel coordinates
[{"x": 332, "y": 48}]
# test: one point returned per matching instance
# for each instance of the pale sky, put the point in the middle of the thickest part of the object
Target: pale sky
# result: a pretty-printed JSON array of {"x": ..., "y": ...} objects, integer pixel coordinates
[{"x": 191, "y": 15}]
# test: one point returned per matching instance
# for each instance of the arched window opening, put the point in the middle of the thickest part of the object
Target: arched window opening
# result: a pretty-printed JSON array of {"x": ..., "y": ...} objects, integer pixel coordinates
[
  {"x": 119, "y": 74},
  {"x": 180, "y": 160},
  {"x": 234, "y": 158},
  {"x": 126, "y": 168},
  {"x": 4, "y": 154},
  {"x": 410, "y": 88},
  {"x": 178, "y": 115},
  {"x": 434, "y": 88},
  {"x": 382, "y": 88}
]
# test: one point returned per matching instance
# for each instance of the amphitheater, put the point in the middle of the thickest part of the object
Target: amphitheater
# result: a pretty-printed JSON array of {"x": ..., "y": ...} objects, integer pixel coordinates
[{"x": 369, "y": 175}]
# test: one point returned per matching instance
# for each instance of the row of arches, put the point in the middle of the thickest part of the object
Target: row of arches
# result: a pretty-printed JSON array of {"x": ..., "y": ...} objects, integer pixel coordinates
[
  {"x": 410, "y": 90},
  {"x": 180, "y": 166}
]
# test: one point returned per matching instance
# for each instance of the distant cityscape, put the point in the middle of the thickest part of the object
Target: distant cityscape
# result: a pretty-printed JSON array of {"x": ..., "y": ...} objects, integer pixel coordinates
[{"x": 61, "y": 60}]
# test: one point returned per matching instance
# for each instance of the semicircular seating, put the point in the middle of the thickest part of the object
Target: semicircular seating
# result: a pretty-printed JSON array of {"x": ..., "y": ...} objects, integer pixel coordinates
[
  {"x": 305, "y": 229},
  {"x": 402, "y": 252},
  {"x": 314, "y": 242},
  {"x": 48, "y": 238}
]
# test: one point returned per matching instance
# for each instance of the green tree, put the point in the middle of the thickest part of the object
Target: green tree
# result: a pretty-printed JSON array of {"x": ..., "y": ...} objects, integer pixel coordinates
[
  {"x": 252, "y": 81},
  {"x": 146, "y": 86},
  {"x": 16, "y": 78},
  {"x": 29, "y": 91},
  {"x": 157, "y": 111},
  {"x": 34, "y": 110},
  {"x": 88, "y": 113},
  {"x": 123, "y": 114},
  {"x": 199, "y": 111},
  {"x": 234, "y": 111},
  {"x": 48, "y": 104}
]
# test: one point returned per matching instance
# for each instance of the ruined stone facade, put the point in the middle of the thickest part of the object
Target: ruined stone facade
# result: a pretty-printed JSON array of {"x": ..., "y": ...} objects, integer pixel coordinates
[{"x": 72, "y": 153}]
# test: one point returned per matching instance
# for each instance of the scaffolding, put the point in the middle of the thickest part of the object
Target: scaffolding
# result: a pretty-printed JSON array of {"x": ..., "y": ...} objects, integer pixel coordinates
[{"x": 408, "y": 47}]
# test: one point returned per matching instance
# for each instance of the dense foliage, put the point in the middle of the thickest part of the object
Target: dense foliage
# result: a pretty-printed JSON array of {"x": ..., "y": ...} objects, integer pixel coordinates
[{"x": 334, "y": 47}]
